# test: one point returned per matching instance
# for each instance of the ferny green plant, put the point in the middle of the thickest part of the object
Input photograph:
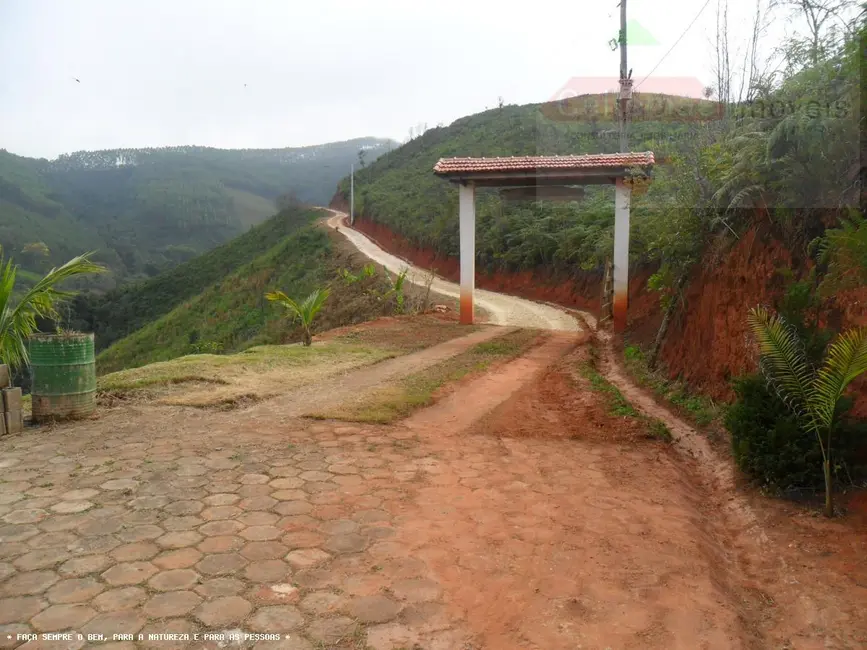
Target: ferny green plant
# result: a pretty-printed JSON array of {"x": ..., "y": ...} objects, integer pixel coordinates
[
  {"x": 812, "y": 394},
  {"x": 304, "y": 311},
  {"x": 19, "y": 319}
]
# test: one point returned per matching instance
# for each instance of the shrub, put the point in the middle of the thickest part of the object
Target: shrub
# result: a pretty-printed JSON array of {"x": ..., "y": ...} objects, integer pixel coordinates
[{"x": 770, "y": 445}]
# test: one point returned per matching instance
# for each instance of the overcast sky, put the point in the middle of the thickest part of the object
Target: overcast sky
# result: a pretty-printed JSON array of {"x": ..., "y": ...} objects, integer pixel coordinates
[{"x": 172, "y": 72}]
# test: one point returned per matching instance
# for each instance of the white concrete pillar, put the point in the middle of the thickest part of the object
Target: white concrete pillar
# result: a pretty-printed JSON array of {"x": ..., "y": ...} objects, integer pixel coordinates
[
  {"x": 467, "y": 202},
  {"x": 622, "y": 201}
]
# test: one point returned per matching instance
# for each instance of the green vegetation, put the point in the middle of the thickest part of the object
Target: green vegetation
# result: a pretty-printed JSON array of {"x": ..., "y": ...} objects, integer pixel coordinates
[
  {"x": 785, "y": 154},
  {"x": 304, "y": 312},
  {"x": 771, "y": 445},
  {"x": 137, "y": 206},
  {"x": 814, "y": 396},
  {"x": 231, "y": 313},
  {"x": 119, "y": 313},
  {"x": 699, "y": 409},
  {"x": 417, "y": 390},
  {"x": 618, "y": 405},
  {"x": 19, "y": 318}
]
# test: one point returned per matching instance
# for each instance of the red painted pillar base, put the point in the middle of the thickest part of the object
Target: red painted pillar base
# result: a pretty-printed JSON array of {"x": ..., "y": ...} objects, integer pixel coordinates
[
  {"x": 466, "y": 309},
  {"x": 467, "y": 206}
]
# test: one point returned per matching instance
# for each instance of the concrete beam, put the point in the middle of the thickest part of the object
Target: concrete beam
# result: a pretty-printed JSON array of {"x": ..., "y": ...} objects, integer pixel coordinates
[{"x": 467, "y": 203}]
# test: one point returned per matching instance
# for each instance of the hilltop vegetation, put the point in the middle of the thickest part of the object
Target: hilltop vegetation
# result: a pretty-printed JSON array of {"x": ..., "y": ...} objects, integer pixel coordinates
[
  {"x": 145, "y": 210},
  {"x": 217, "y": 304},
  {"x": 122, "y": 311},
  {"x": 789, "y": 156}
]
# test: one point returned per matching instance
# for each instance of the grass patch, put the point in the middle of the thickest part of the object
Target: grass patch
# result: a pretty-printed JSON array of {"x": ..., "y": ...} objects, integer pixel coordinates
[
  {"x": 399, "y": 400},
  {"x": 618, "y": 405},
  {"x": 234, "y": 379},
  {"x": 700, "y": 410}
]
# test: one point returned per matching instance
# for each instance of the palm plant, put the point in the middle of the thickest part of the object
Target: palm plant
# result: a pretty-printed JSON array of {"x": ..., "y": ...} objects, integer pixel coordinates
[
  {"x": 812, "y": 394},
  {"x": 304, "y": 311},
  {"x": 397, "y": 289},
  {"x": 18, "y": 320}
]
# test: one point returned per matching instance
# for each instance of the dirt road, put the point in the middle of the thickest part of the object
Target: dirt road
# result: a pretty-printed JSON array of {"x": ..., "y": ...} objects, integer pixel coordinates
[{"x": 504, "y": 310}]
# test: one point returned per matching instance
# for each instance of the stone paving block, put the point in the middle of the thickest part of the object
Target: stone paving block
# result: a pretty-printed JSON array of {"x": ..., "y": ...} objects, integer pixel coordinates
[
  {"x": 306, "y": 558},
  {"x": 182, "y": 558},
  {"x": 31, "y": 583},
  {"x": 75, "y": 590},
  {"x": 374, "y": 609},
  {"x": 280, "y": 618},
  {"x": 21, "y": 608},
  {"x": 221, "y": 564},
  {"x": 127, "y": 621},
  {"x": 129, "y": 573},
  {"x": 120, "y": 599},
  {"x": 331, "y": 630},
  {"x": 223, "y": 611},
  {"x": 175, "y": 603},
  {"x": 135, "y": 551},
  {"x": 266, "y": 571},
  {"x": 321, "y": 603},
  {"x": 173, "y": 580},
  {"x": 62, "y": 617},
  {"x": 220, "y": 587}
]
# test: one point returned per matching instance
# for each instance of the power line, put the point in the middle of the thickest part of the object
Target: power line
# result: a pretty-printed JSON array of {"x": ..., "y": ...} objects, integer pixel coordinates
[{"x": 664, "y": 56}]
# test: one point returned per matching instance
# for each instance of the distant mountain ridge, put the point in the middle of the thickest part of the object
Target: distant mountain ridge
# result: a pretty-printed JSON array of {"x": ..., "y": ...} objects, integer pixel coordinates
[{"x": 145, "y": 210}]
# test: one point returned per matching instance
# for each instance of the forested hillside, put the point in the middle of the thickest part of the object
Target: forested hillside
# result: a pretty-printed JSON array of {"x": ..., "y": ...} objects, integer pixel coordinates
[
  {"x": 216, "y": 303},
  {"x": 755, "y": 199},
  {"x": 145, "y": 210},
  {"x": 120, "y": 312},
  {"x": 789, "y": 156}
]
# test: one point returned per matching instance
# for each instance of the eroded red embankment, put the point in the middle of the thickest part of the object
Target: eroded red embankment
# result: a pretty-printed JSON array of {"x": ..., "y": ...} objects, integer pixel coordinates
[
  {"x": 535, "y": 286},
  {"x": 709, "y": 343}
]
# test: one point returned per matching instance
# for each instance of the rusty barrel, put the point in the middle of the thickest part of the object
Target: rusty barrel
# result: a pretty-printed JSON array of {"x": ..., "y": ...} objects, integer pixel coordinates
[{"x": 63, "y": 375}]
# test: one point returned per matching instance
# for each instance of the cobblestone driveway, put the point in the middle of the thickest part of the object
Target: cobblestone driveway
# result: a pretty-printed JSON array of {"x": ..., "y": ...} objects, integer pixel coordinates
[{"x": 153, "y": 532}]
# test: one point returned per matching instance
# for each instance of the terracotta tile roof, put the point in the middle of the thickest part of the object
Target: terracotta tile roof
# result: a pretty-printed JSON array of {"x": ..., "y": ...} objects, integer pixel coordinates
[{"x": 587, "y": 162}]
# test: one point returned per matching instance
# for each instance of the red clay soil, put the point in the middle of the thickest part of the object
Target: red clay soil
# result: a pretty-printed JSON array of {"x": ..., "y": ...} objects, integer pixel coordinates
[
  {"x": 709, "y": 344},
  {"x": 660, "y": 555},
  {"x": 563, "y": 528}
]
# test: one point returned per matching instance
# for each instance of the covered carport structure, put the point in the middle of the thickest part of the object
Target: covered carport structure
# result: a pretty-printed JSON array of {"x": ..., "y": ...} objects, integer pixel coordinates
[{"x": 546, "y": 177}]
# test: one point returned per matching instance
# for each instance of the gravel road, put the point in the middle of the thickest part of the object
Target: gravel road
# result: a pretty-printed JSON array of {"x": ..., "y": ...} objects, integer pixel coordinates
[{"x": 503, "y": 309}]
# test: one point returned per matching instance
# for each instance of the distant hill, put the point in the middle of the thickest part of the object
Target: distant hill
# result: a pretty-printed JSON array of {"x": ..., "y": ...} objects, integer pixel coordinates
[
  {"x": 145, "y": 210},
  {"x": 216, "y": 303},
  {"x": 120, "y": 312}
]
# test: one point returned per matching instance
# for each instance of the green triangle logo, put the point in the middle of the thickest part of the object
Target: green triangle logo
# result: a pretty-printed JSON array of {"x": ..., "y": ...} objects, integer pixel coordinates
[{"x": 636, "y": 34}]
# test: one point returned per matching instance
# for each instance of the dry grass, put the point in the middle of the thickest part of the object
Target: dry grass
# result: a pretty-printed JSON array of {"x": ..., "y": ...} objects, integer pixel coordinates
[
  {"x": 402, "y": 334},
  {"x": 208, "y": 380},
  {"x": 232, "y": 380},
  {"x": 399, "y": 399}
]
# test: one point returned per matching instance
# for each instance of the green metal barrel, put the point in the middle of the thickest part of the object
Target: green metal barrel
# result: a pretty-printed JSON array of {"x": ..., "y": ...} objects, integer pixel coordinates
[{"x": 63, "y": 375}]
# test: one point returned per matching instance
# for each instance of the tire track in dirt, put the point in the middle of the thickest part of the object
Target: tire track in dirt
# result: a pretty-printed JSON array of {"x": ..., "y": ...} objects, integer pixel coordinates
[
  {"x": 543, "y": 538},
  {"x": 354, "y": 385}
]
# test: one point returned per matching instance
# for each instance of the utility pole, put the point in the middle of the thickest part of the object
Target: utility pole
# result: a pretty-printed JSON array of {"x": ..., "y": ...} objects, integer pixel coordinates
[
  {"x": 625, "y": 83},
  {"x": 352, "y": 195},
  {"x": 622, "y": 193}
]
